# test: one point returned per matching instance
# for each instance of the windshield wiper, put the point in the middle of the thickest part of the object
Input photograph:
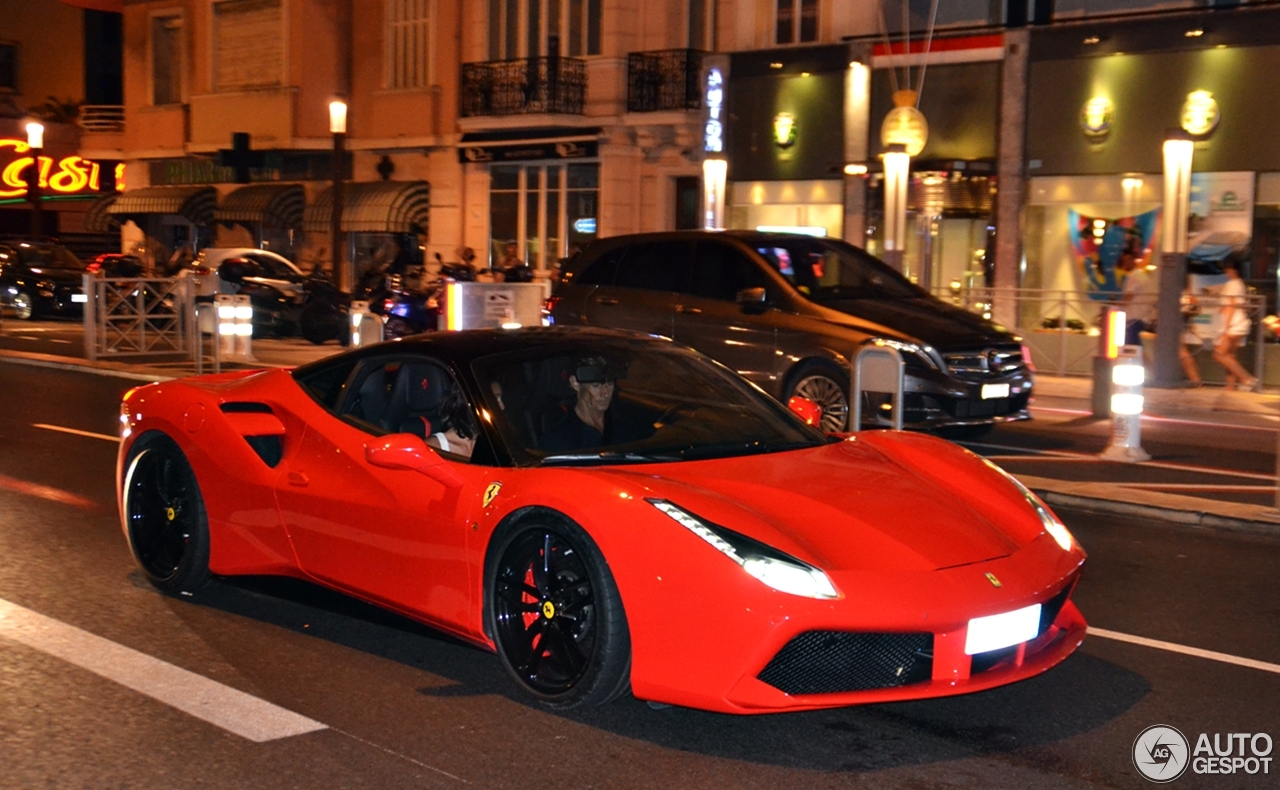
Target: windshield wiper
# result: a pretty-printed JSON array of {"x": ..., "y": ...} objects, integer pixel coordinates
[
  {"x": 570, "y": 459},
  {"x": 728, "y": 449}
]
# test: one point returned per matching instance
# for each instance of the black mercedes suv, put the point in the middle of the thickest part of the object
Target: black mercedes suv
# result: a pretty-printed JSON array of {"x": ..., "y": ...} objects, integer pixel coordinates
[{"x": 790, "y": 312}]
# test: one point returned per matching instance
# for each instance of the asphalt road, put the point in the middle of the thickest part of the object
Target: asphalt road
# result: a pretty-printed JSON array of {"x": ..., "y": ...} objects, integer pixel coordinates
[{"x": 403, "y": 706}]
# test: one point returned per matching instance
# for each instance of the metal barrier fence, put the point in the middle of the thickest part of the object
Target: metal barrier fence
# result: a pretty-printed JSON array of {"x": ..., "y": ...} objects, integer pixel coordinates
[
  {"x": 1062, "y": 328},
  {"x": 136, "y": 316}
]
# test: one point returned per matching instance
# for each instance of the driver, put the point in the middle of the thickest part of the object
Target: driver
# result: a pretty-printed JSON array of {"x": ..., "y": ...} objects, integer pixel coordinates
[{"x": 589, "y": 423}]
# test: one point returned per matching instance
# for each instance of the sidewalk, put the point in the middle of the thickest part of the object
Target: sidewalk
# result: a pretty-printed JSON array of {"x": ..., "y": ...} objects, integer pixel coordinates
[{"x": 1210, "y": 404}]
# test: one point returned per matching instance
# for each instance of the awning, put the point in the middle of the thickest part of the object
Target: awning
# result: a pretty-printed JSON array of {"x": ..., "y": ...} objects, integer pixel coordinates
[
  {"x": 374, "y": 207},
  {"x": 273, "y": 205},
  {"x": 196, "y": 203},
  {"x": 98, "y": 218}
]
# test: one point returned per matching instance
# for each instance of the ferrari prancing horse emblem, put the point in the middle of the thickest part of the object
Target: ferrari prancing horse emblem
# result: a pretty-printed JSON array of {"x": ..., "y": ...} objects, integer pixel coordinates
[
  {"x": 991, "y": 577},
  {"x": 491, "y": 492}
]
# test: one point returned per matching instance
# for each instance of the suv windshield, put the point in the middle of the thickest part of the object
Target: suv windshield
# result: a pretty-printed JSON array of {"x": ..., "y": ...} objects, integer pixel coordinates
[
  {"x": 48, "y": 258},
  {"x": 825, "y": 270},
  {"x": 654, "y": 403}
]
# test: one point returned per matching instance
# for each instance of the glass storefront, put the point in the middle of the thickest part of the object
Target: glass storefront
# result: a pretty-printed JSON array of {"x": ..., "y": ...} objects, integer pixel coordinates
[{"x": 548, "y": 210}]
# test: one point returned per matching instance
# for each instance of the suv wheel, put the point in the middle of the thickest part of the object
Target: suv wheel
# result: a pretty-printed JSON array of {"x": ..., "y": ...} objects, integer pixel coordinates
[{"x": 824, "y": 384}]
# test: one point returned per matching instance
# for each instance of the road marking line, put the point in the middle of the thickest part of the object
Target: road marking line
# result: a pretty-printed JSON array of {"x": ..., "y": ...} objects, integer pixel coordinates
[
  {"x": 90, "y": 434},
  {"x": 1030, "y": 454},
  {"x": 1186, "y": 651},
  {"x": 46, "y": 492},
  {"x": 233, "y": 710},
  {"x": 59, "y": 340},
  {"x": 1199, "y": 487}
]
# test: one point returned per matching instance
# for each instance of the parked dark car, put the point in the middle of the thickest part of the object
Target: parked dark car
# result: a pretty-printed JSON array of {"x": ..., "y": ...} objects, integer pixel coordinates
[
  {"x": 38, "y": 279},
  {"x": 116, "y": 264},
  {"x": 790, "y": 313}
]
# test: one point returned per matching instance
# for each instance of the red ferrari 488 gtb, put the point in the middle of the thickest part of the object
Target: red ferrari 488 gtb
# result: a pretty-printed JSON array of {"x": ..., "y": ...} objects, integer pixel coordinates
[{"x": 607, "y": 511}]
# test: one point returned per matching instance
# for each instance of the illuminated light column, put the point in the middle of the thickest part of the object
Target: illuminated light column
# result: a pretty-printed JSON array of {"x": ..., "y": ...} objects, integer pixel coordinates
[
  {"x": 1178, "y": 150},
  {"x": 897, "y": 173},
  {"x": 35, "y": 141},
  {"x": 715, "y": 167},
  {"x": 714, "y": 174},
  {"x": 342, "y": 274}
]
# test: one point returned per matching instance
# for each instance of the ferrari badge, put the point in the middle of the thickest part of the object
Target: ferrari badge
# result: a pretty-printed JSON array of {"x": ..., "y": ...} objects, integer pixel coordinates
[
  {"x": 548, "y": 609},
  {"x": 491, "y": 492},
  {"x": 991, "y": 577}
]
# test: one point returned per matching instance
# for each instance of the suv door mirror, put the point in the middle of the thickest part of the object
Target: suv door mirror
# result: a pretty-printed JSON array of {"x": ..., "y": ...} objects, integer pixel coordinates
[{"x": 749, "y": 298}]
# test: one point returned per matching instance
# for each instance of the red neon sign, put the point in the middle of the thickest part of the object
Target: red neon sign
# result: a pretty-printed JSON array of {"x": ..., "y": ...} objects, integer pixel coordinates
[{"x": 67, "y": 175}]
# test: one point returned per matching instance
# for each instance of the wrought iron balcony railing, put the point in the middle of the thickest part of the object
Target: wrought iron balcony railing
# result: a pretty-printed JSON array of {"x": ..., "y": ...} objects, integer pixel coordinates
[
  {"x": 102, "y": 118},
  {"x": 664, "y": 80},
  {"x": 525, "y": 86}
]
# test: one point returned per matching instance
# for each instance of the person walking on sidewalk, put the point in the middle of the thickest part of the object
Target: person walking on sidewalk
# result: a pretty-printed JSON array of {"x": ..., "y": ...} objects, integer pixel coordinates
[{"x": 1235, "y": 325}]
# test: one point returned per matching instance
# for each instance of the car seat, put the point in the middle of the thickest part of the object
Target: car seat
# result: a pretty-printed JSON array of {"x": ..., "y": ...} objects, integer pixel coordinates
[{"x": 414, "y": 405}]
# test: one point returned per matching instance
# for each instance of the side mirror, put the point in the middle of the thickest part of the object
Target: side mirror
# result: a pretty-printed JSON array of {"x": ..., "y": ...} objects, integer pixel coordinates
[
  {"x": 754, "y": 297},
  {"x": 806, "y": 410},
  {"x": 405, "y": 451}
]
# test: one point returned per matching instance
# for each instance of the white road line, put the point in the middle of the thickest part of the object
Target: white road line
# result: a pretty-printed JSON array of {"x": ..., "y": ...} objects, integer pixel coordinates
[
  {"x": 1184, "y": 650},
  {"x": 90, "y": 434},
  {"x": 233, "y": 710},
  {"x": 1028, "y": 454},
  {"x": 1199, "y": 487},
  {"x": 1179, "y": 420},
  {"x": 59, "y": 340}
]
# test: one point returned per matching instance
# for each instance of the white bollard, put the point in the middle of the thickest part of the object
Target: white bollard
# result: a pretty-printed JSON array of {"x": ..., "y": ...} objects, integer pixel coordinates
[
  {"x": 1127, "y": 377},
  {"x": 226, "y": 323},
  {"x": 366, "y": 326}
]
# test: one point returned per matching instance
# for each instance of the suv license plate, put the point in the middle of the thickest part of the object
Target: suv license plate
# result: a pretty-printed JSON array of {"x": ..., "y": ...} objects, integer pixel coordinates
[{"x": 995, "y": 391}]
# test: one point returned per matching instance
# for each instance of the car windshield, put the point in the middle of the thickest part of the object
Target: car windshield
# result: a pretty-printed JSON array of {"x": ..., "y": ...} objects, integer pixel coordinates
[
  {"x": 48, "y": 258},
  {"x": 825, "y": 270},
  {"x": 272, "y": 267},
  {"x": 654, "y": 402}
]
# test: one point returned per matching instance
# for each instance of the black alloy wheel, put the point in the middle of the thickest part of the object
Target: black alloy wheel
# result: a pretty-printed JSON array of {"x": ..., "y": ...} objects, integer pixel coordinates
[
  {"x": 24, "y": 307},
  {"x": 556, "y": 616},
  {"x": 164, "y": 513}
]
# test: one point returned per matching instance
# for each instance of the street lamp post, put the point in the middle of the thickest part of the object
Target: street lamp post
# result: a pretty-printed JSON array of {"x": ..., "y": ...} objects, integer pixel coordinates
[
  {"x": 338, "y": 127},
  {"x": 1178, "y": 149},
  {"x": 35, "y": 141}
]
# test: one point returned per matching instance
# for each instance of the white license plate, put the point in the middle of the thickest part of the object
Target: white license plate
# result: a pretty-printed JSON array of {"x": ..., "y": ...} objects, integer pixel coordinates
[
  {"x": 995, "y": 391},
  {"x": 1002, "y": 630},
  {"x": 79, "y": 297}
]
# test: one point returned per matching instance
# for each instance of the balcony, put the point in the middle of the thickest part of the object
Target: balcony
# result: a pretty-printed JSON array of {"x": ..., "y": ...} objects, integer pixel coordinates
[
  {"x": 667, "y": 79},
  {"x": 527, "y": 86},
  {"x": 102, "y": 118}
]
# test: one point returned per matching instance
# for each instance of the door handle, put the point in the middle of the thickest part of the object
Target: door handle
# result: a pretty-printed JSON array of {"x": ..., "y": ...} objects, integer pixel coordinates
[
  {"x": 607, "y": 300},
  {"x": 299, "y": 479},
  {"x": 688, "y": 310}
]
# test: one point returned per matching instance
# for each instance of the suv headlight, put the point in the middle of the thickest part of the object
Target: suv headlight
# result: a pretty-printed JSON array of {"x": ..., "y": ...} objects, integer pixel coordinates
[
  {"x": 1052, "y": 524},
  {"x": 777, "y": 569},
  {"x": 924, "y": 354}
]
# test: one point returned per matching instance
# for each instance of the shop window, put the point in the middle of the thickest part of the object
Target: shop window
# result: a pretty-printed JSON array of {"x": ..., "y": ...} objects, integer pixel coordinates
[
  {"x": 549, "y": 211},
  {"x": 797, "y": 21},
  {"x": 408, "y": 43},
  {"x": 248, "y": 44},
  {"x": 166, "y": 59},
  {"x": 525, "y": 28},
  {"x": 8, "y": 67}
]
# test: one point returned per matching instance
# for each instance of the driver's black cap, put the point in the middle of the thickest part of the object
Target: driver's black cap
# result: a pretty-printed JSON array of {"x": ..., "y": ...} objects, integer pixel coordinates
[{"x": 593, "y": 370}]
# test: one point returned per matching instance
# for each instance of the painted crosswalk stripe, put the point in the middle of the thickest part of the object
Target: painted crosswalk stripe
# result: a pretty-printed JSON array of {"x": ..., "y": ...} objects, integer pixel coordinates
[
  {"x": 1173, "y": 647},
  {"x": 231, "y": 709}
]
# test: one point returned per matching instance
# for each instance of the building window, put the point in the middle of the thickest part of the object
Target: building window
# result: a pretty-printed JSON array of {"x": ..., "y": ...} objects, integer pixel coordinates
[
  {"x": 797, "y": 21},
  {"x": 8, "y": 67},
  {"x": 408, "y": 43},
  {"x": 549, "y": 211},
  {"x": 700, "y": 24},
  {"x": 166, "y": 59},
  {"x": 524, "y": 28},
  {"x": 248, "y": 44}
]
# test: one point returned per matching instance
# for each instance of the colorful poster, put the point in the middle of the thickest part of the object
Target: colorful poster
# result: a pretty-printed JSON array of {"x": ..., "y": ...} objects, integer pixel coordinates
[{"x": 1097, "y": 244}]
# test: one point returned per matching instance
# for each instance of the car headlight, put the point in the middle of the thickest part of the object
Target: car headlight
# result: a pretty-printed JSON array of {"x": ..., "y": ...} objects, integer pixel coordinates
[
  {"x": 777, "y": 569},
  {"x": 923, "y": 353},
  {"x": 1052, "y": 524}
]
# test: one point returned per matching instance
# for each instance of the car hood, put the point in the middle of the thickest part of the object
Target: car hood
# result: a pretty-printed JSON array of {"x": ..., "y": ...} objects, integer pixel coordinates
[
  {"x": 847, "y": 506},
  {"x": 933, "y": 321}
]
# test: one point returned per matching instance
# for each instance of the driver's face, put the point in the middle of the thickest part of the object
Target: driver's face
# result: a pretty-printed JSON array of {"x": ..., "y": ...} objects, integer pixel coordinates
[{"x": 596, "y": 395}]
